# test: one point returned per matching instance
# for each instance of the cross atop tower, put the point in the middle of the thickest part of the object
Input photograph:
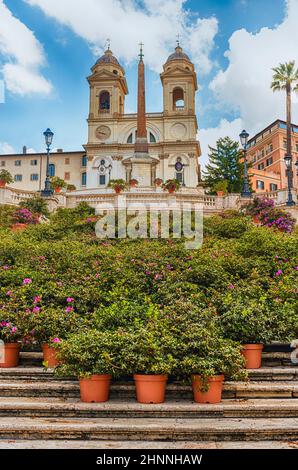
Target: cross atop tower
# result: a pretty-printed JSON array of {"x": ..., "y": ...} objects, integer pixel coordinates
[
  {"x": 141, "y": 55},
  {"x": 178, "y": 40},
  {"x": 108, "y": 44}
]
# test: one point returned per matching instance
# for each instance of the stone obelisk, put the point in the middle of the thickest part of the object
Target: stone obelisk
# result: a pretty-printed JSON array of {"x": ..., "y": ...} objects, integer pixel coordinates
[{"x": 141, "y": 161}]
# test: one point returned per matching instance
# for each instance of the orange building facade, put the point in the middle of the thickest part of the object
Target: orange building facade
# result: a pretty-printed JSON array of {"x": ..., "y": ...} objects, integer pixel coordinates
[{"x": 266, "y": 152}]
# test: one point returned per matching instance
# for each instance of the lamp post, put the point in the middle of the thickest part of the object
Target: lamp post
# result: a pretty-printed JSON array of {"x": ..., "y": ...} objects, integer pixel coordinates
[
  {"x": 288, "y": 162},
  {"x": 47, "y": 191},
  {"x": 246, "y": 192}
]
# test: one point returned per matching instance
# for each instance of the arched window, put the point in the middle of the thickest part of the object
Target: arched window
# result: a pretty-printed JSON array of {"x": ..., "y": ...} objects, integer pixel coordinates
[
  {"x": 104, "y": 101},
  {"x": 179, "y": 167},
  {"x": 52, "y": 170},
  {"x": 152, "y": 138},
  {"x": 178, "y": 99}
]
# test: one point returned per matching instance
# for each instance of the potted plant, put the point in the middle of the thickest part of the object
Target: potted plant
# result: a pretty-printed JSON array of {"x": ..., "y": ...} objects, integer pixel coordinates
[
  {"x": 148, "y": 352},
  {"x": 94, "y": 357},
  {"x": 202, "y": 353},
  {"x": 118, "y": 185},
  {"x": 158, "y": 182},
  {"x": 133, "y": 183},
  {"x": 258, "y": 207},
  {"x": 22, "y": 218},
  {"x": 51, "y": 326},
  {"x": 249, "y": 316},
  {"x": 5, "y": 178},
  {"x": 221, "y": 188},
  {"x": 71, "y": 187},
  {"x": 9, "y": 334},
  {"x": 171, "y": 185},
  {"x": 57, "y": 184}
]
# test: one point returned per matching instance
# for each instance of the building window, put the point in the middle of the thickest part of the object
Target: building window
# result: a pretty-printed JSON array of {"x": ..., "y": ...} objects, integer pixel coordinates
[
  {"x": 67, "y": 176},
  {"x": 33, "y": 162},
  {"x": 18, "y": 178},
  {"x": 285, "y": 144},
  {"x": 102, "y": 180},
  {"x": 152, "y": 138},
  {"x": 273, "y": 187},
  {"x": 296, "y": 146},
  {"x": 34, "y": 177},
  {"x": 179, "y": 177},
  {"x": 260, "y": 184},
  {"x": 84, "y": 161},
  {"x": 3, "y": 163},
  {"x": 67, "y": 161},
  {"x": 84, "y": 179},
  {"x": 104, "y": 101},
  {"x": 18, "y": 163},
  {"x": 178, "y": 99},
  {"x": 269, "y": 161},
  {"x": 129, "y": 140},
  {"x": 261, "y": 166},
  {"x": 52, "y": 170}
]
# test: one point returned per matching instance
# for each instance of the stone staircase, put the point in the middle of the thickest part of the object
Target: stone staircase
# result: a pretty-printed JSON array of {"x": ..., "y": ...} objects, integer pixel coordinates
[{"x": 38, "y": 409}]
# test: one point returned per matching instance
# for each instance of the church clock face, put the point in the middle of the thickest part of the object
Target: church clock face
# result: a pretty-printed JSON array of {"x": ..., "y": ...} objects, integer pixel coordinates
[{"x": 103, "y": 132}]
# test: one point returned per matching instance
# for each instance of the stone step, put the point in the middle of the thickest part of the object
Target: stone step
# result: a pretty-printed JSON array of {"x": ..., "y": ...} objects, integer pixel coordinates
[
  {"x": 269, "y": 359},
  {"x": 138, "y": 429},
  {"x": 42, "y": 374},
  {"x": 70, "y": 389},
  {"x": 149, "y": 445},
  {"x": 73, "y": 408}
]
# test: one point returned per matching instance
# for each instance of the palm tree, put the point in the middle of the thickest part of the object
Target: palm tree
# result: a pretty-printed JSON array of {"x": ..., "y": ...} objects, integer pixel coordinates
[{"x": 285, "y": 77}]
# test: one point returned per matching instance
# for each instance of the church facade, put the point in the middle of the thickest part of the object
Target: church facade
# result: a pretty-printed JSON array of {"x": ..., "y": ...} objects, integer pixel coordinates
[
  {"x": 142, "y": 146},
  {"x": 169, "y": 136}
]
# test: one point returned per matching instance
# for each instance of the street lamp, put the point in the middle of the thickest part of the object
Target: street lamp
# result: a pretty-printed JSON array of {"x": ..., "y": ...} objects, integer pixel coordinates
[
  {"x": 47, "y": 191},
  {"x": 246, "y": 192},
  {"x": 288, "y": 162}
]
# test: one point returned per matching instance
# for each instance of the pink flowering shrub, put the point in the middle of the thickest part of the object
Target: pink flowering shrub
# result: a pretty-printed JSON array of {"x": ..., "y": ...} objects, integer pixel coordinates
[
  {"x": 271, "y": 216},
  {"x": 24, "y": 216}
]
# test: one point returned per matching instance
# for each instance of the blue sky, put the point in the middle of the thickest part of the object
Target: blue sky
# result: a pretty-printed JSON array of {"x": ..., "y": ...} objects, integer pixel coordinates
[{"x": 63, "y": 53}]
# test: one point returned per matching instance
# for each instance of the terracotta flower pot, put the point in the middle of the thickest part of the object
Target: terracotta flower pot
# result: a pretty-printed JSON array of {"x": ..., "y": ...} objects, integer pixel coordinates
[
  {"x": 11, "y": 355},
  {"x": 19, "y": 227},
  {"x": 95, "y": 389},
  {"x": 150, "y": 388},
  {"x": 2, "y": 184},
  {"x": 214, "y": 393},
  {"x": 171, "y": 190},
  {"x": 118, "y": 190},
  {"x": 50, "y": 355},
  {"x": 253, "y": 355},
  {"x": 256, "y": 219},
  {"x": 58, "y": 190},
  {"x": 220, "y": 193}
]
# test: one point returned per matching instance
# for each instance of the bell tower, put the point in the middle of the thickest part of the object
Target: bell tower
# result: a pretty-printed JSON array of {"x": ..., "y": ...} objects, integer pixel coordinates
[
  {"x": 108, "y": 88},
  {"x": 179, "y": 81}
]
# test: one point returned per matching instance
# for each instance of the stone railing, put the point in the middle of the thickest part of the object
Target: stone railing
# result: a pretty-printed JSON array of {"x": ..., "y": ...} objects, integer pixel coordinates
[{"x": 146, "y": 196}]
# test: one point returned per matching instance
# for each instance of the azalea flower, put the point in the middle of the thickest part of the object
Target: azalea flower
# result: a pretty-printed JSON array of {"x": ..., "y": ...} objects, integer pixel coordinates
[
  {"x": 36, "y": 309},
  {"x": 231, "y": 286},
  {"x": 9, "y": 293},
  {"x": 6, "y": 267},
  {"x": 37, "y": 299},
  {"x": 69, "y": 309},
  {"x": 14, "y": 329},
  {"x": 278, "y": 273},
  {"x": 27, "y": 280},
  {"x": 56, "y": 340},
  {"x": 69, "y": 300}
]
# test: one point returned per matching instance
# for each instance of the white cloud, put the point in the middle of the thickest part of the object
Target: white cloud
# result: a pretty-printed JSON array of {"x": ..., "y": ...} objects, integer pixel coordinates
[
  {"x": 245, "y": 85},
  {"x": 210, "y": 136},
  {"x": 126, "y": 23},
  {"x": 22, "y": 55},
  {"x": 6, "y": 148}
]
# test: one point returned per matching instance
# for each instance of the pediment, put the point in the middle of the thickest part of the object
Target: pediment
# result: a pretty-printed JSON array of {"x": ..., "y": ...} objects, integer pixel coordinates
[{"x": 177, "y": 71}]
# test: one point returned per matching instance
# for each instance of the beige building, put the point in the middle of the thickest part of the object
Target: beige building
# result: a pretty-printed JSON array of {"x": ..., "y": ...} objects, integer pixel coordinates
[{"x": 110, "y": 152}]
